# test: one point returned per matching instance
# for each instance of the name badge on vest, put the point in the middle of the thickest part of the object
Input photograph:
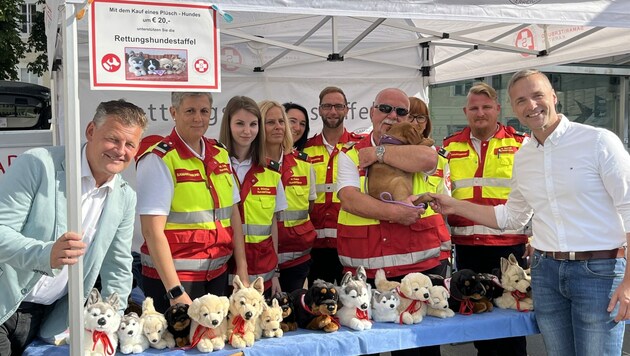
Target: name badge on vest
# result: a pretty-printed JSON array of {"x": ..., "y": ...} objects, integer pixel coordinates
[
  {"x": 297, "y": 181},
  {"x": 505, "y": 150},
  {"x": 222, "y": 168},
  {"x": 184, "y": 175},
  {"x": 459, "y": 154},
  {"x": 317, "y": 159},
  {"x": 264, "y": 190}
]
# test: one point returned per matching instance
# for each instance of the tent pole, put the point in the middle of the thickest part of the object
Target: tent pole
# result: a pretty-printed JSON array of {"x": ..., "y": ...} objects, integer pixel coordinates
[{"x": 73, "y": 171}]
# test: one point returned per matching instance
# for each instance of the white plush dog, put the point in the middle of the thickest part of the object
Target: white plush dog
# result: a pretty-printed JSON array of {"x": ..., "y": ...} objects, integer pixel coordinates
[
  {"x": 154, "y": 326},
  {"x": 268, "y": 323},
  {"x": 130, "y": 336},
  {"x": 354, "y": 296},
  {"x": 101, "y": 320},
  {"x": 413, "y": 290},
  {"x": 178, "y": 65},
  {"x": 246, "y": 304},
  {"x": 385, "y": 306},
  {"x": 438, "y": 303},
  {"x": 516, "y": 286},
  {"x": 208, "y": 328}
]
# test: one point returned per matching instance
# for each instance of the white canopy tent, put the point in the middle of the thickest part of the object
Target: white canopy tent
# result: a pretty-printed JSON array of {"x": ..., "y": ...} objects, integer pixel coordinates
[{"x": 274, "y": 46}]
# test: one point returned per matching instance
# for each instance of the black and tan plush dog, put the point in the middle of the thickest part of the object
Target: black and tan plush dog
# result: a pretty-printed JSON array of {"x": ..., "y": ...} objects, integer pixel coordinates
[
  {"x": 468, "y": 293},
  {"x": 178, "y": 322},
  {"x": 383, "y": 178},
  {"x": 315, "y": 308},
  {"x": 288, "y": 311}
]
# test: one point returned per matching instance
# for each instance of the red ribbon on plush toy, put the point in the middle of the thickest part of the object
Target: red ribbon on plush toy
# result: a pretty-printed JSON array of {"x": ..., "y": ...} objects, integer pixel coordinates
[
  {"x": 411, "y": 308},
  {"x": 466, "y": 306},
  {"x": 362, "y": 314},
  {"x": 200, "y": 332},
  {"x": 104, "y": 339},
  {"x": 239, "y": 327},
  {"x": 518, "y": 296}
]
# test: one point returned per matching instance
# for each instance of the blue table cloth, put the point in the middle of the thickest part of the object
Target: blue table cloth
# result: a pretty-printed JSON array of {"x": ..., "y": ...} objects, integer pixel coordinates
[{"x": 381, "y": 338}]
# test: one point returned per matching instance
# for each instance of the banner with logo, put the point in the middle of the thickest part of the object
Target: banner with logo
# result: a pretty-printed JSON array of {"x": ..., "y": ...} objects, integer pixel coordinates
[{"x": 138, "y": 45}]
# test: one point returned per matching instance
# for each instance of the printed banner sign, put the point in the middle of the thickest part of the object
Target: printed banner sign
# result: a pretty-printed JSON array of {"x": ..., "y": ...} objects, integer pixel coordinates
[{"x": 153, "y": 45}]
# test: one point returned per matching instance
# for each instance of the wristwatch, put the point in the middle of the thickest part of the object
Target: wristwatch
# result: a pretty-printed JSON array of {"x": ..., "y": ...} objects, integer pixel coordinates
[
  {"x": 174, "y": 292},
  {"x": 380, "y": 153}
]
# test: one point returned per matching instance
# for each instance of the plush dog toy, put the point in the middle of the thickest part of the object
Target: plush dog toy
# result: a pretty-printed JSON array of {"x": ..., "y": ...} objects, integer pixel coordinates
[
  {"x": 101, "y": 320},
  {"x": 208, "y": 329},
  {"x": 136, "y": 64},
  {"x": 516, "y": 286},
  {"x": 166, "y": 65},
  {"x": 246, "y": 304},
  {"x": 178, "y": 323},
  {"x": 315, "y": 308},
  {"x": 288, "y": 311},
  {"x": 155, "y": 326},
  {"x": 151, "y": 65},
  {"x": 467, "y": 292},
  {"x": 130, "y": 336},
  {"x": 385, "y": 306},
  {"x": 268, "y": 323},
  {"x": 386, "y": 182},
  {"x": 354, "y": 298},
  {"x": 413, "y": 290},
  {"x": 438, "y": 302},
  {"x": 178, "y": 65}
]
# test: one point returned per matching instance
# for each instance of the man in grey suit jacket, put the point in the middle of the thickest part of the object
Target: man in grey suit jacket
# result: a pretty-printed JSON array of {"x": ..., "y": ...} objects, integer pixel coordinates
[{"x": 35, "y": 246}]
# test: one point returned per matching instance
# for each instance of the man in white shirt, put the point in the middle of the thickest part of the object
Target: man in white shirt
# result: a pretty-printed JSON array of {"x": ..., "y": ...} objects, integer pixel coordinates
[
  {"x": 575, "y": 179},
  {"x": 36, "y": 247}
]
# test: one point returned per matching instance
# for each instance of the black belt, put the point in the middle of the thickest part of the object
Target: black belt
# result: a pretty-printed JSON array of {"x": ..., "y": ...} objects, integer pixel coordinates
[{"x": 585, "y": 255}]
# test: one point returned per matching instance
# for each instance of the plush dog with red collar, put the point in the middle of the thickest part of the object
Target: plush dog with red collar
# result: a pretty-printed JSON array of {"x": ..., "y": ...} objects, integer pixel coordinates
[
  {"x": 413, "y": 291},
  {"x": 246, "y": 305},
  {"x": 354, "y": 298},
  {"x": 316, "y": 307},
  {"x": 516, "y": 286},
  {"x": 101, "y": 320}
]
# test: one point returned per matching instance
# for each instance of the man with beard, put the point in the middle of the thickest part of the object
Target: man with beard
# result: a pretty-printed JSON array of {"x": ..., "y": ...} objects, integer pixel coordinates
[
  {"x": 322, "y": 150},
  {"x": 398, "y": 237}
]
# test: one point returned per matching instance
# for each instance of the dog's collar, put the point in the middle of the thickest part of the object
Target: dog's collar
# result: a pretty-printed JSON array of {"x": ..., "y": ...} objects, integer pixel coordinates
[
  {"x": 362, "y": 314},
  {"x": 518, "y": 296},
  {"x": 306, "y": 307},
  {"x": 390, "y": 140},
  {"x": 104, "y": 339},
  {"x": 200, "y": 332},
  {"x": 412, "y": 308},
  {"x": 239, "y": 327}
]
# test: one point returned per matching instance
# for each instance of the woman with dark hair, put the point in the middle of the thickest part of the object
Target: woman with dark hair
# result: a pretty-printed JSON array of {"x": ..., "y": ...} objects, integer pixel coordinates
[
  {"x": 298, "y": 121},
  {"x": 262, "y": 192}
]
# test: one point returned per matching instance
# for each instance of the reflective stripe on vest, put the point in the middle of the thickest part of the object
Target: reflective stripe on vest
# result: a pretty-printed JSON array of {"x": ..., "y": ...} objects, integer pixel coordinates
[
  {"x": 326, "y": 233},
  {"x": 252, "y": 277},
  {"x": 199, "y": 217},
  {"x": 256, "y": 233},
  {"x": 483, "y": 230},
  {"x": 190, "y": 264},
  {"x": 290, "y": 256},
  {"x": 326, "y": 188},
  {"x": 445, "y": 245},
  {"x": 289, "y": 215},
  {"x": 390, "y": 260},
  {"x": 481, "y": 182}
]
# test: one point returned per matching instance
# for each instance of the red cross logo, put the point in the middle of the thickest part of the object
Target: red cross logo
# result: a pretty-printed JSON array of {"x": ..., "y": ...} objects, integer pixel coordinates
[
  {"x": 231, "y": 55},
  {"x": 110, "y": 62},
  {"x": 201, "y": 65},
  {"x": 525, "y": 39}
]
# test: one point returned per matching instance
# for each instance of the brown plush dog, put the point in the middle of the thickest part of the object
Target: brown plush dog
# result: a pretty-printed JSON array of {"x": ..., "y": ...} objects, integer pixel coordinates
[
  {"x": 315, "y": 308},
  {"x": 383, "y": 178}
]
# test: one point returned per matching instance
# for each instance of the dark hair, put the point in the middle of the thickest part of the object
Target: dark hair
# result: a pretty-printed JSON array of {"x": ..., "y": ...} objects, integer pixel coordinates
[
  {"x": 257, "y": 149},
  {"x": 299, "y": 144}
]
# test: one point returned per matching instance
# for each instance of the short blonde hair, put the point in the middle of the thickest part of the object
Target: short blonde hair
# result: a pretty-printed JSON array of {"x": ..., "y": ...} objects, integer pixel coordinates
[{"x": 482, "y": 88}]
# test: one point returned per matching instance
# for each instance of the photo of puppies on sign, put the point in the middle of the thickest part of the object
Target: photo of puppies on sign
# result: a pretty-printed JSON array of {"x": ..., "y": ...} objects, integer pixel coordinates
[
  {"x": 391, "y": 184},
  {"x": 154, "y": 64}
]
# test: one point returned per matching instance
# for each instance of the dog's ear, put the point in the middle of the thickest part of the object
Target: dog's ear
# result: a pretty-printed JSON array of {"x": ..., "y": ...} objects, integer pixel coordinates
[
  {"x": 274, "y": 303},
  {"x": 361, "y": 275},
  {"x": 259, "y": 285},
  {"x": 413, "y": 135},
  {"x": 193, "y": 309},
  {"x": 512, "y": 259},
  {"x": 346, "y": 278},
  {"x": 94, "y": 297},
  {"x": 237, "y": 284},
  {"x": 505, "y": 265},
  {"x": 147, "y": 305},
  {"x": 114, "y": 301}
]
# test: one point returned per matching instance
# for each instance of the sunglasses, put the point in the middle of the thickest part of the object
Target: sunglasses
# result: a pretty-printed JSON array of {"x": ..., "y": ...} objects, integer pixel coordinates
[{"x": 386, "y": 109}]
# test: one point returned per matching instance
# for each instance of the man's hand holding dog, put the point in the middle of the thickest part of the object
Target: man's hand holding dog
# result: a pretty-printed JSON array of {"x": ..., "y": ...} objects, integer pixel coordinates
[{"x": 67, "y": 250}]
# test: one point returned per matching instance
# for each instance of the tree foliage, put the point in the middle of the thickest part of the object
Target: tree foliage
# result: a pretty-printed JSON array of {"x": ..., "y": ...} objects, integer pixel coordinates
[
  {"x": 12, "y": 47},
  {"x": 37, "y": 44}
]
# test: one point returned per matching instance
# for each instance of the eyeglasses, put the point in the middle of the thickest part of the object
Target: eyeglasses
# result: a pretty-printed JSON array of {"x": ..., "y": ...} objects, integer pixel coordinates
[
  {"x": 418, "y": 118},
  {"x": 386, "y": 109},
  {"x": 337, "y": 107}
]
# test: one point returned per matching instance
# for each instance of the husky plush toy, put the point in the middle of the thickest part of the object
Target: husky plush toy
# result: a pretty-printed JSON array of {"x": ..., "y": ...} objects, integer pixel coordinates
[
  {"x": 354, "y": 297},
  {"x": 101, "y": 320},
  {"x": 385, "y": 305},
  {"x": 136, "y": 64},
  {"x": 516, "y": 286},
  {"x": 130, "y": 336}
]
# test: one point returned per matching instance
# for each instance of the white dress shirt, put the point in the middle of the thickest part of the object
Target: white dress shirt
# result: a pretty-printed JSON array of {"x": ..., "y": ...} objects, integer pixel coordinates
[
  {"x": 577, "y": 185},
  {"x": 50, "y": 288}
]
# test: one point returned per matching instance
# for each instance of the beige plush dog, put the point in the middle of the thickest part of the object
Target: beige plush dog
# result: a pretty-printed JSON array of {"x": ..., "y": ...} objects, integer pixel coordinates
[
  {"x": 385, "y": 179},
  {"x": 208, "y": 329},
  {"x": 268, "y": 323},
  {"x": 246, "y": 304},
  {"x": 438, "y": 303},
  {"x": 154, "y": 326},
  {"x": 413, "y": 290},
  {"x": 516, "y": 286}
]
